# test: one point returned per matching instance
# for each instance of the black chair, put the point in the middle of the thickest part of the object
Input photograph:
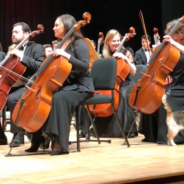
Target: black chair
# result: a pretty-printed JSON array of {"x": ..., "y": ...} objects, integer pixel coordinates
[{"x": 103, "y": 74}]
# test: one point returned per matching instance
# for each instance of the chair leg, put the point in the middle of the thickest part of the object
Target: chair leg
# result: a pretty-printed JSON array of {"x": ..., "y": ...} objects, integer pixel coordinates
[
  {"x": 122, "y": 132},
  {"x": 77, "y": 126},
  {"x": 94, "y": 127}
]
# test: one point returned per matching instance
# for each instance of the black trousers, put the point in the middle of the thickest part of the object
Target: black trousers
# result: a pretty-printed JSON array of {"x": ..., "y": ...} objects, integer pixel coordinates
[
  {"x": 63, "y": 105},
  {"x": 2, "y": 134},
  {"x": 13, "y": 98}
]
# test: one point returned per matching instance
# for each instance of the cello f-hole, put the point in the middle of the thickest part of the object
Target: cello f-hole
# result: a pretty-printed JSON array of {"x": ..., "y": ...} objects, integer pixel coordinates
[{"x": 38, "y": 92}]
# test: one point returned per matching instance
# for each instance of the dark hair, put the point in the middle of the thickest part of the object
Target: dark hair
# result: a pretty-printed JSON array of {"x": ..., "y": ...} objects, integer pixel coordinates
[
  {"x": 178, "y": 30},
  {"x": 124, "y": 51},
  {"x": 25, "y": 27},
  {"x": 68, "y": 22},
  {"x": 55, "y": 41},
  {"x": 144, "y": 37},
  {"x": 46, "y": 46}
]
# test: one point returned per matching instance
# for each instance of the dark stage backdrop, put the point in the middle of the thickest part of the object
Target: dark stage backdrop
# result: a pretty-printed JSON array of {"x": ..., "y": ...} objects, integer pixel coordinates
[{"x": 106, "y": 14}]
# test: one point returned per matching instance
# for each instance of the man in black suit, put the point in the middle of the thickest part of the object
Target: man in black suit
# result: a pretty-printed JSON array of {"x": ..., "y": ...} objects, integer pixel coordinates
[
  {"x": 142, "y": 56},
  {"x": 31, "y": 56}
]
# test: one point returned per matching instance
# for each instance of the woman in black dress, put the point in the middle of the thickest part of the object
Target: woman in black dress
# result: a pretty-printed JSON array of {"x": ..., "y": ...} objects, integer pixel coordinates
[
  {"x": 77, "y": 88},
  {"x": 153, "y": 126},
  {"x": 107, "y": 126}
]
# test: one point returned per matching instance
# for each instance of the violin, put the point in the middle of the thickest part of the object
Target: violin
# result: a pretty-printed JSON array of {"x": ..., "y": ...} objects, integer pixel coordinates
[
  {"x": 100, "y": 41},
  {"x": 33, "y": 108},
  {"x": 123, "y": 69},
  {"x": 11, "y": 69},
  {"x": 147, "y": 93}
]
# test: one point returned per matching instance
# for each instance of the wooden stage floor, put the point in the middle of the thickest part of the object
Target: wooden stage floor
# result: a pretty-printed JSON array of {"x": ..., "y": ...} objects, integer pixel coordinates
[{"x": 95, "y": 164}]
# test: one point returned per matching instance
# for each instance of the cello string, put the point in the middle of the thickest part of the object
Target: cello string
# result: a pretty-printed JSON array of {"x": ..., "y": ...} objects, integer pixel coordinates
[{"x": 17, "y": 75}]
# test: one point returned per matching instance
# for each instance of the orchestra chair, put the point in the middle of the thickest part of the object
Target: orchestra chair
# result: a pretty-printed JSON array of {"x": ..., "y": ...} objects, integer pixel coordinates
[{"x": 103, "y": 74}]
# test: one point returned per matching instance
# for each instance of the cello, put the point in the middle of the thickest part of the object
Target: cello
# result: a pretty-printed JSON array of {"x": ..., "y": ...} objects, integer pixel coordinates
[
  {"x": 92, "y": 53},
  {"x": 43, "y": 84},
  {"x": 156, "y": 38},
  {"x": 104, "y": 110},
  {"x": 163, "y": 60},
  {"x": 11, "y": 69}
]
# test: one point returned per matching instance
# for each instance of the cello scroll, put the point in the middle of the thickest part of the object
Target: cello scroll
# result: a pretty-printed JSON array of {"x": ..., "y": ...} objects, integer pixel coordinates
[{"x": 87, "y": 18}]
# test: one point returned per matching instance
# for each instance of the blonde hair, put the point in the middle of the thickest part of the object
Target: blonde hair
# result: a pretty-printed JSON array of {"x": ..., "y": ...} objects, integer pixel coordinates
[
  {"x": 179, "y": 29},
  {"x": 106, "y": 50}
]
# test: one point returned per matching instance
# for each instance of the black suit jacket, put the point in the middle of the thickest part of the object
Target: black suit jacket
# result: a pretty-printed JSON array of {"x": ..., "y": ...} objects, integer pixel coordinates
[
  {"x": 33, "y": 56},
  {"x": 79, "y": 78},
  {"x": 2, "y": 55},
  {"x": 140, "y": 57}
]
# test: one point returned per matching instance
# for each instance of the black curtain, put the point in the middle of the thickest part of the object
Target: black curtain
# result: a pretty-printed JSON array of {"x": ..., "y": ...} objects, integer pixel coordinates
[{"x": 106, "y": 14}]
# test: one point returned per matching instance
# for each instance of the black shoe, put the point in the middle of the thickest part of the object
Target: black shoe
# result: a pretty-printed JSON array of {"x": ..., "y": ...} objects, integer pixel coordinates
[
  {"x": 62, "y": 152},
  {"x": 133, "y": 134},
  {"x": 82, "y": 134},
  {"x": 35, "y": 145},
  {"x": 3, "y": 141},
  {"x": 17, "y": 140},
  {"x": 145, "y": 140},
  {"x": 46, "y": 143},
  {"x": 92, "y": 133}
]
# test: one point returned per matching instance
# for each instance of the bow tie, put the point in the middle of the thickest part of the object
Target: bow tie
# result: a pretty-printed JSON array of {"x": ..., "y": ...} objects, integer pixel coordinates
[
  {"x": 21, "y": 48},
  {"x": 146, "y": 50}
]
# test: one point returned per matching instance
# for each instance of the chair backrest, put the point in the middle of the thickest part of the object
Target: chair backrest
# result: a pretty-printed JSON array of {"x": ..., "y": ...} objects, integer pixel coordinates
[
  {"x": 138, "y": 75},
  {"x": 103, "y": 73}
]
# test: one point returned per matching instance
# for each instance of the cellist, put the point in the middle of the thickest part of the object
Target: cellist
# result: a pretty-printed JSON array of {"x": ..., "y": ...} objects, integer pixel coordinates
[
  {"x": 77, "y": 88},
  {"x": 154, "y": 125},
  {"x": 106, "y": 126},
  {"x": 31, "y": 56}
]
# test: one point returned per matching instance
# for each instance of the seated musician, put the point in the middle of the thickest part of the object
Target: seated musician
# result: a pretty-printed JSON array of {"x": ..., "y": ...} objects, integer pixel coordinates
[
  {"x": 107, "y": 126},
  {"x": 153, "y": 126},
  {"x": 48, "y": 49},
  {"x": 31, "y": 56},
  {"x": 77, "y": 88}
]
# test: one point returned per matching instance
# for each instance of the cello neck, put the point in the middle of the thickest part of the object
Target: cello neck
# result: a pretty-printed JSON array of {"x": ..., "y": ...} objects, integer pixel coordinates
[
  {"x": 121, "y": 44},
  {"x": 98, "y": 48}
]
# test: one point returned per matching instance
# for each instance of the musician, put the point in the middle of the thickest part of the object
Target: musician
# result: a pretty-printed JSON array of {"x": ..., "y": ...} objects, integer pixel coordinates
[
  {"x": 54, "y": 44},
  {"x": 31, "y": 56},
  {"x": 48, "y": 49},
  {"x": 153, "y": 126},
  {"x": 142, "y": 56},
  {"x": 107, "y": 126},
  {"x": 128, "y": 51},
  {"x": 77, "y": 88}
]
